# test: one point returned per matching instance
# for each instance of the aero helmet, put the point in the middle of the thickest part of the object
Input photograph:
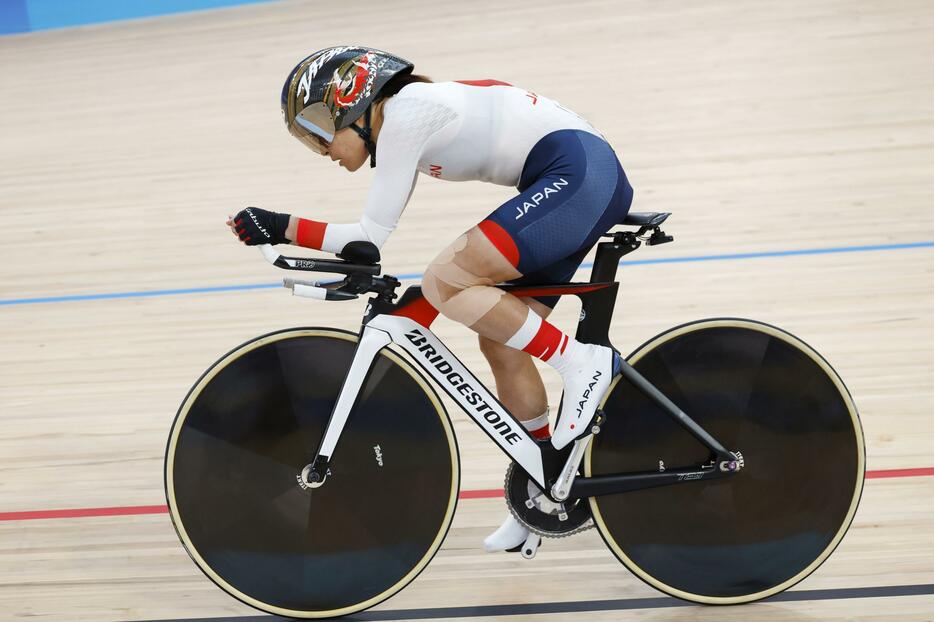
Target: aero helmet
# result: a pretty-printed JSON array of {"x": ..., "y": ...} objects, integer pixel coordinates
[{"x": 334, "y": 87}]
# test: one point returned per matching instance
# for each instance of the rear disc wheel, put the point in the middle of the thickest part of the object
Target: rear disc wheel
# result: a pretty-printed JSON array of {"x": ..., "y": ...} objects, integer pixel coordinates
[{"x": 760, "y": 391}]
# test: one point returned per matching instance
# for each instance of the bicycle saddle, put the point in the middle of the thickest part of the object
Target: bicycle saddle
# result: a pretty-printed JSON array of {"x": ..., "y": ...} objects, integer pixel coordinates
[{"x": 645, "y": 219}]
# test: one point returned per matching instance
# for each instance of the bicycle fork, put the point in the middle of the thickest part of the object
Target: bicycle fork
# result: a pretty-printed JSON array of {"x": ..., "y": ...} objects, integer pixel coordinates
[{"x": 371, "y": 342}]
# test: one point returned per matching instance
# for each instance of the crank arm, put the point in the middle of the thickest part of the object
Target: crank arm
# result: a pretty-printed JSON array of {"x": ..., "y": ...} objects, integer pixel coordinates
[{"x": 562, "y": 487}]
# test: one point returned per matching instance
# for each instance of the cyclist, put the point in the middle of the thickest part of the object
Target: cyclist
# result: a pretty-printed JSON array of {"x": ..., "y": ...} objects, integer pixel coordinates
[{"x": 355, "y": 103}]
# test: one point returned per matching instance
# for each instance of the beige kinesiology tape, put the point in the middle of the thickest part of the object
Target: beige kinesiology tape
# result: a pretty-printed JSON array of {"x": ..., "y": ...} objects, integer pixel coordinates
[{"x": 454, "y": 290}]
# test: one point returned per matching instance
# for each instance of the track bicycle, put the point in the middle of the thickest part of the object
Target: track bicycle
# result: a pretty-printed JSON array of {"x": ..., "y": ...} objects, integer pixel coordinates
[{"x": 314, "y": 472}]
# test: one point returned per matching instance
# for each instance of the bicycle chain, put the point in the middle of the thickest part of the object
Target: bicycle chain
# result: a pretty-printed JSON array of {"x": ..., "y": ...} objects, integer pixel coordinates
[{"x": 545, "y": 534}]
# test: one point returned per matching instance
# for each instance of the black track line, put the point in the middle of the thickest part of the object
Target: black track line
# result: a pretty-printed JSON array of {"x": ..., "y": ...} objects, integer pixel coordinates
[{"x": 440, "y": 613}]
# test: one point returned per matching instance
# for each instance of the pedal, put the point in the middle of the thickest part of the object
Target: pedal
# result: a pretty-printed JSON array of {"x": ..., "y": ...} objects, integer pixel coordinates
[
  {"x": 530, "y": 546},
  {"x": 596, "y": 422},
  {"x": 599, "y": 418}
]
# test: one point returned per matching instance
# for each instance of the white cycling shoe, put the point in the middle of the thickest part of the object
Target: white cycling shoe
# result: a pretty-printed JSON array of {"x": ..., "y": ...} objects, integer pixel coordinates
[
  {"x": 585, "y": 383},
  {"x": 513, "y": 537},
  {"x": 510, "y": 535}
]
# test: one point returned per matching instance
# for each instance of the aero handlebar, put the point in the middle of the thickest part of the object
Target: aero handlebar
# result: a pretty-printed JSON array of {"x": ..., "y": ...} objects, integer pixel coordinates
[
  {"x": 316, "y": 290},
  {"x": 338, "y": 266},
  {"x": 358, "y": 279}
]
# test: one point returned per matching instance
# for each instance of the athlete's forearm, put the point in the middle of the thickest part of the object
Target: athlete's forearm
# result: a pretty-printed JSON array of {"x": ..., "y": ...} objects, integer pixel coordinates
[{"x": 332, "y": 237}]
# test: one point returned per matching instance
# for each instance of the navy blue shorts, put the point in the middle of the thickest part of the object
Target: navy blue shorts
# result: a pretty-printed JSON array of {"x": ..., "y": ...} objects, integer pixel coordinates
[{"x": 572, "y": 190}]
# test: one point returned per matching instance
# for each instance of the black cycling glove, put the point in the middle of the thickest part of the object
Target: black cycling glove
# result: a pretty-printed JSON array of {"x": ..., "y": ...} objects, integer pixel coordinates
[{"x": 258, "y": 226}]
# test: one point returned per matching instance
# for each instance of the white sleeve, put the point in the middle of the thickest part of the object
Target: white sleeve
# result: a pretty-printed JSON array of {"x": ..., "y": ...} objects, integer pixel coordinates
[{"x": 408, "y": 124}]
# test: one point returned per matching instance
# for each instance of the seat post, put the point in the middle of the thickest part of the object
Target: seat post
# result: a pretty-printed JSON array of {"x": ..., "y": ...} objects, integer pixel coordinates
[
  {"x": 597, "y": 307},
  {"x": 608, "y": 255}
]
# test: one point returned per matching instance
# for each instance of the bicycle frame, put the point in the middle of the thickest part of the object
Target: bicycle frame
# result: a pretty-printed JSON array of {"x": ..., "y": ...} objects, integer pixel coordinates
[{"x": 406, "y": 324}]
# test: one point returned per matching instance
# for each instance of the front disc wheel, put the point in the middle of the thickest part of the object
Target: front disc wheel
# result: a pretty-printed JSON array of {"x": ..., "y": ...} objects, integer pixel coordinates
[{"x": 246, "y": 516}]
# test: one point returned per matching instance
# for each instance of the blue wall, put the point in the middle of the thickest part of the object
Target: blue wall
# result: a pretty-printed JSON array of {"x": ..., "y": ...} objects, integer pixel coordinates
[{"x": 29, "y": 15}]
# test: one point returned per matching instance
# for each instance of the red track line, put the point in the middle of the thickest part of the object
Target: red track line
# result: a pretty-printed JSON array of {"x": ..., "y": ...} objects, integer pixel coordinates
[
  {"x": 464, "y": 494},
  {"x": 84, "y": 512},
  {"x": 481, "y": 494},
  {"x": 899, "y": 473}
]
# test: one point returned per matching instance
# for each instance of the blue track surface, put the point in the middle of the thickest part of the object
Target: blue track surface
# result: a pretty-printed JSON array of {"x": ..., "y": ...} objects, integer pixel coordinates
[
  {"x": 637, "y": 262},
  {"x": 29, "y": 15}
]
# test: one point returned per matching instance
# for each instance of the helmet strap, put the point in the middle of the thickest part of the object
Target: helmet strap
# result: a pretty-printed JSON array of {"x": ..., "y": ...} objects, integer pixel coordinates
[{"x": 365, "y": 134}]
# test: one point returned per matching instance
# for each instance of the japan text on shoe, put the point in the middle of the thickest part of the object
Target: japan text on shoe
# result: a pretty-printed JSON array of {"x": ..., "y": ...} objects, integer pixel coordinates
[{"x": 586, "y": 380}]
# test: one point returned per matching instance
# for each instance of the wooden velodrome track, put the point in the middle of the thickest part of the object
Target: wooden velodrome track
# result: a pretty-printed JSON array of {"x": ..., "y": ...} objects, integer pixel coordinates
[{"x": 793, "y": 142}]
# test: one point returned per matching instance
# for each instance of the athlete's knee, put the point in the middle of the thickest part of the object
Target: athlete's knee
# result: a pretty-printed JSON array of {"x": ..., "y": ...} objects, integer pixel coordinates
[
  {"x": 465, "y": 305},
  {"x": 444, "y": 278},
  {"x": 455, "y": 287},
  {"x": 431, "y": 288}
]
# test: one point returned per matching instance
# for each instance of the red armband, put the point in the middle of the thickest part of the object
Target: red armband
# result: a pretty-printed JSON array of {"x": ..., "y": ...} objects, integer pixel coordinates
[{"x": 310, "y": 233}]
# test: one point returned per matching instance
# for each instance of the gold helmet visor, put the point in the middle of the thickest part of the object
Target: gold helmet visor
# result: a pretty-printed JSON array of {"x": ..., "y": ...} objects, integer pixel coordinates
[{"x": 314, "y": 127}]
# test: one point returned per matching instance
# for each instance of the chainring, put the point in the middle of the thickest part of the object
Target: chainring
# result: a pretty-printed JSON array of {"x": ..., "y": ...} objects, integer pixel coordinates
[{"x": 539, "y": 514}]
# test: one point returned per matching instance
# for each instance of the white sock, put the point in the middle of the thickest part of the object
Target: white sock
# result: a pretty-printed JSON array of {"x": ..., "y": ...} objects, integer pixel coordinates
[{"x": 539, "y": 425}]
